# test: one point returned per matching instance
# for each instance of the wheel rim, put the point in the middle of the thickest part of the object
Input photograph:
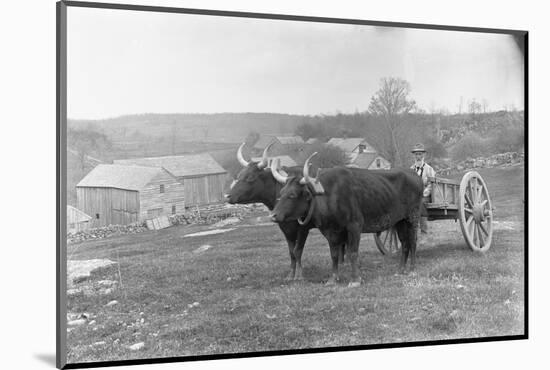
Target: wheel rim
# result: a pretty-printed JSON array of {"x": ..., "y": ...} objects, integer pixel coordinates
[
  {"x": 387, "y": 241},
  {"x": 476, "y": 212}
]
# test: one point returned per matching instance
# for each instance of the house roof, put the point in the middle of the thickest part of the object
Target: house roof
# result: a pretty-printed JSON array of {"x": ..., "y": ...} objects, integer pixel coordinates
[
  {"x": 190, "y": 165},
  {"x": 348, "y": 145},
  {"x": 119, "y": 176},
  {"x": 364, "y": 160},
  {"x": 312, "y": 140},
  {"x": 285, "y": 160},
  {"x": 75, "y": 215},
  {"x": 265, "y": 140}
]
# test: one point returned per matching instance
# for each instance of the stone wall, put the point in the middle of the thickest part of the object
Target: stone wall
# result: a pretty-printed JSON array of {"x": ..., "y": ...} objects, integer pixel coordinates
[{"x": 496, "y": 160}]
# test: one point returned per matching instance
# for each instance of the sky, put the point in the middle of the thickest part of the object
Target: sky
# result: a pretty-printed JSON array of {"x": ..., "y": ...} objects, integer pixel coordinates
[{"x": 128, "y": 62}]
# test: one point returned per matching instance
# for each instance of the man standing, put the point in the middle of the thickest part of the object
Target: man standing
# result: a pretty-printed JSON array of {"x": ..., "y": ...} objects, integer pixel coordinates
[{"x": 423, "y": 170}]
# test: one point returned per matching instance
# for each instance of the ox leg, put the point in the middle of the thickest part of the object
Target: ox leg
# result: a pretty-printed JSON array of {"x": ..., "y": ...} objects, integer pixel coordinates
[
  {"x": 354, "y": 237},
  {"x": 402, "y": 233},
  {"x": 290, "y": 236},
  {"x": 412, "y": 231},
  {"x": 335, "y": 256},
  {"x": 298, "y": 249},
  {"x": 342, "y": 254}
]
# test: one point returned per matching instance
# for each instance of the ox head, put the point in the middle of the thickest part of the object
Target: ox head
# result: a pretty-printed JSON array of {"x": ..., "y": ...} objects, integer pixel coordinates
[
  {"x": 248, "y": 185},
  {"x": 296, "y": 195}
]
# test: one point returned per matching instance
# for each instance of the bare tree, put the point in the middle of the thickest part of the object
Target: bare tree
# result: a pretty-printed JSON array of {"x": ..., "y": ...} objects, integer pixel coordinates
[
  {"x": 474, "y": 107},
  {"x": 392, "y": 102},
  {"x": 87, "y": 142}
]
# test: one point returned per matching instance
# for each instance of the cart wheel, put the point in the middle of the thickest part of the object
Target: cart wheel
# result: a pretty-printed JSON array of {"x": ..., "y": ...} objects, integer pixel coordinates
[
  {"x": 388, "y": 242},
  {"x": 476, "y": 212}
]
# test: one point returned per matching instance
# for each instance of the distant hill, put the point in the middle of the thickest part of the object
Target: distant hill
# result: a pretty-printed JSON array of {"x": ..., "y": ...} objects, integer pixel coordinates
[{"x": 219, "y": 128}]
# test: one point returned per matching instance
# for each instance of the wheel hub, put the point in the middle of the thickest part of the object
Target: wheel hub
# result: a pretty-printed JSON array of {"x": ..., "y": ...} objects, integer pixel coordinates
[{"x": 479, "y": 213}]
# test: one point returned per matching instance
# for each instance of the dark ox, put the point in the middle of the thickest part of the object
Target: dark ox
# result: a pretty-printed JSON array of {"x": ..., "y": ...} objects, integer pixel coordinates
[
  {"x": 256, "y": 184},
  {"x": 345, "y": 202}
]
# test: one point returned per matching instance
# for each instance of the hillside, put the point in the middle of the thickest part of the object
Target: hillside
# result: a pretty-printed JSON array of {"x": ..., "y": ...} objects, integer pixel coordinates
[{"x": 219, "y": 128}]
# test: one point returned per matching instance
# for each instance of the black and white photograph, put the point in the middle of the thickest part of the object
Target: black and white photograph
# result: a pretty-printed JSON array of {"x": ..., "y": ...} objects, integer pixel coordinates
[{"x": 248, "y": 184}]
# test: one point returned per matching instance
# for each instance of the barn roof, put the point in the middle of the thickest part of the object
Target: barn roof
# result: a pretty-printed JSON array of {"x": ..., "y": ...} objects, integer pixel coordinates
[
  {"x": 312, "y": 140},
  {"x": 265, "y": 140},
  {"x": 349, "y": 144},
  {"x": 290, "y": 140},
  {"x": 189, "y": 165},
  {"x": 74, "y": 215},
  {"x": 119, "y": 176},
  {"x": 285, "y": 160}
]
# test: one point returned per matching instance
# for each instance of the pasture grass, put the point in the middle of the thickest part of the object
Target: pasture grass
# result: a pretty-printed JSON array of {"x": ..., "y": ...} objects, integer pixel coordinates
[{"x": 245, "y": 305}]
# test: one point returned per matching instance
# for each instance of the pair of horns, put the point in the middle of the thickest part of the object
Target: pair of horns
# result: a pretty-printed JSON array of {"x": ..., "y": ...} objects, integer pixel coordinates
[
  {"x": 262, "y": 164},
  {"x": 304, "y": 180}
]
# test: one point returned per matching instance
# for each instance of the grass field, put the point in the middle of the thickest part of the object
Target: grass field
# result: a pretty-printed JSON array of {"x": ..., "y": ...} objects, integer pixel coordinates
[{"x": 233, "y": 297}]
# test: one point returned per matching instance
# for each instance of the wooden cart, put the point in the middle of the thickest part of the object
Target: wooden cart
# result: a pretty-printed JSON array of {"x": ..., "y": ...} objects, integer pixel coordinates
[{"x": 467, "y": 201}]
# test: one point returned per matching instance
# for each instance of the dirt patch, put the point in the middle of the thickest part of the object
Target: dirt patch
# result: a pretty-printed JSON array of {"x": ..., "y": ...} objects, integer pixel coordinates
[
  {"x": 78, "y": 271},
  {"x": 209, "y": 232}
]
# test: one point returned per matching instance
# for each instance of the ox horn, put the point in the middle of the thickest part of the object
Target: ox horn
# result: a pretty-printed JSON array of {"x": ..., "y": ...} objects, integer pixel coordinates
[
  {"x": 240, "y": 157},
  {"x": 263, "y": 162},
  {"x": 275, "y": 171},
  {"x": 318, "y": 188},
  {"x": 306, "y": 177}
]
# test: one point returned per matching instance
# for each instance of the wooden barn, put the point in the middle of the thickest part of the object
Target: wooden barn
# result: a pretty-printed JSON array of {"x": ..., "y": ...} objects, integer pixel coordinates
[
  {"x": 119, "y": 195},
  {"x": 77, "y": 220},
  {"x": 202, "y": 177}
]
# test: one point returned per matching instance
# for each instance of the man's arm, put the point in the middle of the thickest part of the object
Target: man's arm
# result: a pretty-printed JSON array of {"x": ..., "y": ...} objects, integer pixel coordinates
[{"x": 430, "y": 172}]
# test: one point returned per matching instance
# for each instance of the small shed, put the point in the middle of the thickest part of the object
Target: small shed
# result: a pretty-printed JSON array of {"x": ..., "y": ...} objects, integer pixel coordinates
[
  {"x": 114, "y": 194},
  {"x": 77, "y": 220},
  {"x": 285, "y": 160},
  {"x": 202, "y": 177}
]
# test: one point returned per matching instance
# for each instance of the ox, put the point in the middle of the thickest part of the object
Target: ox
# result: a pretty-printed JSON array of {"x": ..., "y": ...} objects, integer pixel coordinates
[
  {"x": 345, "y": 202},
  {"x": 256, "y": 184}
]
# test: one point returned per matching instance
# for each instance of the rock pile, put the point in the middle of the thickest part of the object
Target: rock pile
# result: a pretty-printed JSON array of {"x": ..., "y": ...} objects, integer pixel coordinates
[{"x": 105, "y": 231}]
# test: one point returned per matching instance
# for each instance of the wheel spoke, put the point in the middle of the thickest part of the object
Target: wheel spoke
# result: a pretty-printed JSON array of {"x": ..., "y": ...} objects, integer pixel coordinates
[
  {"x": 483, "y": 229},
  {"x": 469, "y": 221},
  {"x": 466, "y": 209},
  {"x": 471, "y": 229},
  {"x": 473, "y": 193},
  {"x": 479, "y": 236},
  {"x": 479, "y": 190},
  {"x": 468, "y": 200},
  {"x": 386, "y": 236},
  {"x": 476, "y": 236}
]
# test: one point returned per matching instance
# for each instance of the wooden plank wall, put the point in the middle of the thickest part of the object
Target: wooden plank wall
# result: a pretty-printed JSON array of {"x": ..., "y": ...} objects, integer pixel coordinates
[
  {"x": 203, "y": 190},
  {"x": 154, "y": 203},
  {"x": 114, "y": 206}
]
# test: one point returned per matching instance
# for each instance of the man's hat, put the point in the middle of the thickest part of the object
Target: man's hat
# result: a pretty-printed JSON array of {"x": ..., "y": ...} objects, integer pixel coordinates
[{"x": 418, "y": 148}]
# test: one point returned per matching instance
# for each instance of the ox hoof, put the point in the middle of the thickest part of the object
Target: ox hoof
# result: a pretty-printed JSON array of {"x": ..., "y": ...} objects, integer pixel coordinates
[
  {"x": 354, "y": 284},
  {"x": 331, "y": 282},
  {"x": 289, "y": 277},
  {"x": 298, "y": 278}
]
